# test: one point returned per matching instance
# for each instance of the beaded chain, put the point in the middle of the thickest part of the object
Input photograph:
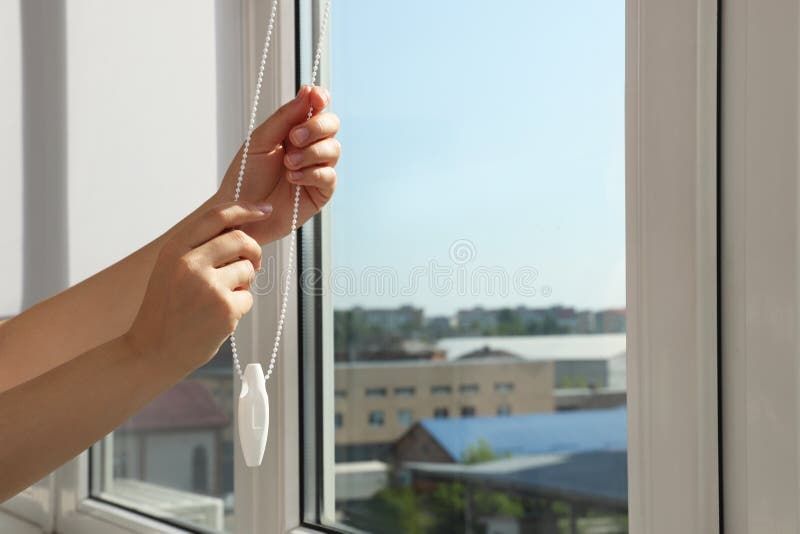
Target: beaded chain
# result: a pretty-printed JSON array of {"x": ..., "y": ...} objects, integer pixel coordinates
[{"x": 323, "y": 27}]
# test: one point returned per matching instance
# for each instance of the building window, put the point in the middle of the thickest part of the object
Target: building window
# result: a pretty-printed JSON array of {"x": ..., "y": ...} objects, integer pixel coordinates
[
  {"x": 376, "y": 392},
  {"x": 440, "y": 413},
  {"x": 469, "y": 388},
  {"x": 504, "y": 387},
  {"x": 504, "y": 409},
  {"x": 340, "y": 394},
  {"x": 441, "y": 390},
  {"x": 467, "y": 411},
  {"x": 375, "y": 418},
  {"x": 199, "y": 469},
  {"x": 407, "y": 391},
  {"x": 405, "y": 417},
  {"x": 338, "y": 420}
]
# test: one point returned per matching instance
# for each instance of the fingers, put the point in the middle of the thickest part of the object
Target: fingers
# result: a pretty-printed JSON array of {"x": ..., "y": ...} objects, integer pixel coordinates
[
  {"x": 223, "y": 216},
  {"x": 318, "y": 127},
  {"x": 321, "y": 177},
  {"x": 241, "y": 303},
  {"x": 276, "y": 128},
  {"x": 237, "y": 275},
  {"x": 323, "y": 152},
  {"x": 229, "y": 247}
]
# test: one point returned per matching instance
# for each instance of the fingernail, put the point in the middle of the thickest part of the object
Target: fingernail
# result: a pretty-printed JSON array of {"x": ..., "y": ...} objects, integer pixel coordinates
[
  {"x": 252, "y": 277},
  {"x": 293, "y": 176},
  {"x": 300, "y": 135},
  {"x": 302, "y": 92},
  {"x": 264, "y": 207},
  {"x": 295, "y": 158}
]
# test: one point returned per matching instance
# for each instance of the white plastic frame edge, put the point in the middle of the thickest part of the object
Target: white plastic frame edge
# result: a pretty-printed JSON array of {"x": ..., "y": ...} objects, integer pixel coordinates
[{"x": 671, "y": 208}]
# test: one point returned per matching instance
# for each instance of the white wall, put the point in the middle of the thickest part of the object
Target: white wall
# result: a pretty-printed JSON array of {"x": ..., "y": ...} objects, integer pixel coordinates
[
  {"x": 10, "y": 159},
  {"x": 142, "y": 122},
  {"x": 140, "y": 139}
]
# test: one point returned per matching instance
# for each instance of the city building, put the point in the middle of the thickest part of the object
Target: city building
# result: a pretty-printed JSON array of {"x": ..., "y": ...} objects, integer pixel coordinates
[
  {"x": 588, "y": 398},
  {"x": 446, "y": 440},
  {"x": 175, "y": 441},
  {"x": 439, "y": 326},
  {"x": 580, "y": 361},
  {"x": 574, "y": 458},
  {"x": 476, "y": 320},
  {"x": 585, "y": 322},
  {"x": 390, "y": 319},
  {"x": 376, "y": 402},
  {"x": 609, "y": 321}
]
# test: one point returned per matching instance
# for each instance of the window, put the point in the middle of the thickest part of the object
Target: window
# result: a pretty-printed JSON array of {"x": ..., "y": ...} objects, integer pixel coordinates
[
  {"x": 655, "y": 108},
  {"x": 469, "y": 388},
  {"x": 375, "y": 418},
  {"x": 407, "y": 391},
  {"x": 405, "y": 417},
  {"x": 179, "y": 447},
  {"x": 338, "y": 420},
  {"x": 504, "y": 387},
  {"x": 421, "y": 299},
  {"x": 200, "y": 469},
  {"x": 375, "y": 392}
]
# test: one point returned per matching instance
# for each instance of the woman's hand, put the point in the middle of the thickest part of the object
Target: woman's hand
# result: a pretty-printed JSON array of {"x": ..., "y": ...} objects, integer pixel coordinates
[
  {"x": 288, "y": 149},
  {"x": 198, "y": 289}
]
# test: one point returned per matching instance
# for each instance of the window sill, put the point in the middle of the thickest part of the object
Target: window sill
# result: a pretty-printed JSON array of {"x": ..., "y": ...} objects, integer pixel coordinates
[{"x": 94, "y": 516}]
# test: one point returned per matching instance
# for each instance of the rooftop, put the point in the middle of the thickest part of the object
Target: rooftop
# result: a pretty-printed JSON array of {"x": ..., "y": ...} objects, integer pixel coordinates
[
  {"x": 540, "y": 433},
  {"x": 595, "y": 477},
  {"x": 556, "y": 347},
  {"x": 186, "y": 405}
]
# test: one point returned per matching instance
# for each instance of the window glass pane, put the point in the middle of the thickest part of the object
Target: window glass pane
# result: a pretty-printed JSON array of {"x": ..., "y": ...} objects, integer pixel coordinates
[
  {"x": 441, "y": 390},
  {"x": 405, "y": 417},
  {"x": 478, "y": 252},
  {"x": 174, "y": 459}
]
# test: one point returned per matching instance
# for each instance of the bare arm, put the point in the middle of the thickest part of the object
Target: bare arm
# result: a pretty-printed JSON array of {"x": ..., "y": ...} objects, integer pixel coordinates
[
  {"x": 102, "y": 307},
  {"x": 195, "y": 296},
  {"x": 86, "y": 315},
  {"x": 59, "y": 414},
  {"x": 75, "y": 366}
]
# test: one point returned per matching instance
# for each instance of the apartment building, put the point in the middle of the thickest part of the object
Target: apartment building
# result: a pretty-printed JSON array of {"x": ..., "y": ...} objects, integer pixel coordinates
[{"x": 376, "y": 402}]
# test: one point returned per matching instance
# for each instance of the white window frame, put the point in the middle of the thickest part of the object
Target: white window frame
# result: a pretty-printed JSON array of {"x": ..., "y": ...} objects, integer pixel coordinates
[
  {"x": 671, "y": 222},
  {"x": 672, "y": 291},
  {"x": 760, "y": 258}
]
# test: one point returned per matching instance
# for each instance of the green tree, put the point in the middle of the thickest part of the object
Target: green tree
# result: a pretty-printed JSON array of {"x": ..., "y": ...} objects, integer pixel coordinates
[{"x": 449, "y": 501}]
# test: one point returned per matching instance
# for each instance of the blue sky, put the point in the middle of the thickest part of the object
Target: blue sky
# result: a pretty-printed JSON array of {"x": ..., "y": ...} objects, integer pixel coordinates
[{"x": 498, "y": 123}]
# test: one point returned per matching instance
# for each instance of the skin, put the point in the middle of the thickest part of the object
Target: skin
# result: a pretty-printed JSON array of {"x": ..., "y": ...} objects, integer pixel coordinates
[{"x": 77, "y": 365}]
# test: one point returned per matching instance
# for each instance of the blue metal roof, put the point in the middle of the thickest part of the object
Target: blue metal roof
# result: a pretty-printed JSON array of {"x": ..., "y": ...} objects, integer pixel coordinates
[
  {"x": 541, "y": 433},
  {"x": 597, "y": 477}
]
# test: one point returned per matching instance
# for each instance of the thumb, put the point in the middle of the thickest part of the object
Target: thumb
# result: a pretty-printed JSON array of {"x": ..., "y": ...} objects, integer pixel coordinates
[{"x": 276, "y": 128}]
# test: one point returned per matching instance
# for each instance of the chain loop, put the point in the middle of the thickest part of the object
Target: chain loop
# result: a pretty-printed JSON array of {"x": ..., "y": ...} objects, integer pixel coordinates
[{"x": 323, "y": 27}]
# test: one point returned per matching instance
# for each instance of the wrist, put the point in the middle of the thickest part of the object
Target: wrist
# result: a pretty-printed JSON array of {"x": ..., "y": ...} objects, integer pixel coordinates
[{"x": 150, "y": 361}]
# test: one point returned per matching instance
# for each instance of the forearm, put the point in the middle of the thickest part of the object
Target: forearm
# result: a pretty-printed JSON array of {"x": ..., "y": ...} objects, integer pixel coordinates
[
  {"x": 84, "y": 316},
  {"x": 48, "y": 420},
  {"x": 69, "y": 323}
]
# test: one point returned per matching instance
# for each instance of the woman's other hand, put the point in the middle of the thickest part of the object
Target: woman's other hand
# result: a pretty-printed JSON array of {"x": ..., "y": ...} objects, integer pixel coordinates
[{"x": 286, "y": 150}]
